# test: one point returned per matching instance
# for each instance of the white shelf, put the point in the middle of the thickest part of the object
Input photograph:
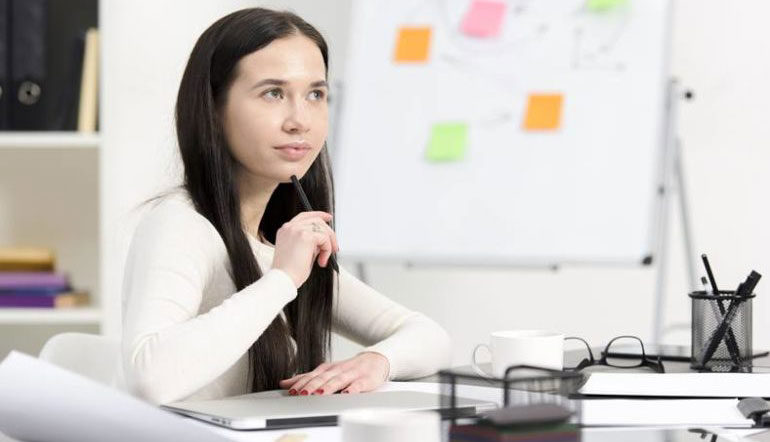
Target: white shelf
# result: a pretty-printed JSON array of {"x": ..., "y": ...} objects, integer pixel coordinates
[
  {"x": 49, "y": 140},
  {"x": 38, "y": 316}
]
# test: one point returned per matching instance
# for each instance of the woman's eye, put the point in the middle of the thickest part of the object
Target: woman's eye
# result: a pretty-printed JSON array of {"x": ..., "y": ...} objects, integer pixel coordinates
[
  {"x": 274, "y": 93},
  {"x": 317, "y": 95}
]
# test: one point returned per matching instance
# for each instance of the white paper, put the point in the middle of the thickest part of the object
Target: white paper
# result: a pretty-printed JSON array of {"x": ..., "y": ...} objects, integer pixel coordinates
[
  {"x": 617, "y": 412},
  {"x": 663, "y": 412},
  {"x": 715, "y": 385},
  {"x": 42, "y": 402}
]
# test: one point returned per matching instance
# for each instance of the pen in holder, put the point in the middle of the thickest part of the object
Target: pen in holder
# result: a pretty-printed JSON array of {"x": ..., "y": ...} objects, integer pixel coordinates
[{"x": 721, "y": 331}]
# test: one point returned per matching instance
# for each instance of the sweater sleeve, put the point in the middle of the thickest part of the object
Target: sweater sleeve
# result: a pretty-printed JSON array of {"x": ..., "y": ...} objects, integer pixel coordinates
[
  {"x": 169, "y": 349},
  {"x": 414, "y": 345}
]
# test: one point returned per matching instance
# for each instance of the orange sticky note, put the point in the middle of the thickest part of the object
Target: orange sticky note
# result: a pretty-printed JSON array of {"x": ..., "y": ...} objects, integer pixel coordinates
[
  {"x": 543, "y": 112},
  {"x": 413, "y": 44}
]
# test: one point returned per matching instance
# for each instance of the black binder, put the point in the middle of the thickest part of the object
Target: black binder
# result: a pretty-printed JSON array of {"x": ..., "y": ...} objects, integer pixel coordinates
[
  {"x": 29, "y": 22},
  {"x": 5, "y": 61},
  {"x": 67, "y": 25},
  {"x": 41, "y": 61}
]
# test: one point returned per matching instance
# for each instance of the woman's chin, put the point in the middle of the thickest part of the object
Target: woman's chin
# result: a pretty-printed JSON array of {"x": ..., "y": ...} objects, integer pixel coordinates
[{"x": 292, "y": 169}]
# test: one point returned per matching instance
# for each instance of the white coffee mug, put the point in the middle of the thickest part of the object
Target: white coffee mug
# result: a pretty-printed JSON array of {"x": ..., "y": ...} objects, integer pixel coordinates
[{"x": 538, "y": 348}]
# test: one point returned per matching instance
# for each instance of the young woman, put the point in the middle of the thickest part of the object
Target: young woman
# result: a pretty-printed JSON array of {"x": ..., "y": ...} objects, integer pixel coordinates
[{"x": 228, "y": 287}]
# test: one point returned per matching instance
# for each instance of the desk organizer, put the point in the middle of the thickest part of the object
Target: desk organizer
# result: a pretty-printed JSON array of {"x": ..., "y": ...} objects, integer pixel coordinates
[
  {"x": 536, "y": 406},
  {"x": 721, "y": 331}
]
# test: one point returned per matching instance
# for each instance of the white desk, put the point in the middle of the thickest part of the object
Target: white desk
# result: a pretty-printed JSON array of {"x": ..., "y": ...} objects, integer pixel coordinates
[
  {"x": 612, "y": 412},
  {"x": 54, "y": 404}
]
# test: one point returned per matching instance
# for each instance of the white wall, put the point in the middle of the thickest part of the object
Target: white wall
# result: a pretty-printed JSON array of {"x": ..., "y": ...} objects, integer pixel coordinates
[
  {"x": 48, "y": 197},
  {"x": 718, "y": 51}
]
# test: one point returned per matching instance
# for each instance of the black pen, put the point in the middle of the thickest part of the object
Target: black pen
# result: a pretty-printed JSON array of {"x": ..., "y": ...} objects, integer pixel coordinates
[
  {"x": 710, "y": 274},
  {"x": 732, "y": 344},
  {"x": 308, "y": 208}
]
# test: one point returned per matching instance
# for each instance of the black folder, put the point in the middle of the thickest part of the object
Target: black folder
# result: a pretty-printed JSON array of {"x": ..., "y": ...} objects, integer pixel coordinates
[
  {"x": 5, "y": 60},
  {"x": 41, "y": 60},
  {"x": 29, "y": 22},
  {"x": 67, "y": 25}
]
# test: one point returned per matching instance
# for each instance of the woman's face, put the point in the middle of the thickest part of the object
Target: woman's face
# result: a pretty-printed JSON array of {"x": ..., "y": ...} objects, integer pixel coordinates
[{"x": 275, "y": 113}]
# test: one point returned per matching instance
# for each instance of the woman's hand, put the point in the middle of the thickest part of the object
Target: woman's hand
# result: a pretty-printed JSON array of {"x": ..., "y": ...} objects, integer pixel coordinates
[
  {"x": 363, "y": 372},
  {"x": 299, "y": 241}
]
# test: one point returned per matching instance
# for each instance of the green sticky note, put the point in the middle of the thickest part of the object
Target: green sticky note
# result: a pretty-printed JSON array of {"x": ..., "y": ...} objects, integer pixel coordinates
[
  {"x": 447, "y": 142},
  {"x": 603, "y": 5}
]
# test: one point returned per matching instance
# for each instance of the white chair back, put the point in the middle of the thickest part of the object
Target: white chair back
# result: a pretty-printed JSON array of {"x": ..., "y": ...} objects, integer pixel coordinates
[{"x": 93, "y": 356}]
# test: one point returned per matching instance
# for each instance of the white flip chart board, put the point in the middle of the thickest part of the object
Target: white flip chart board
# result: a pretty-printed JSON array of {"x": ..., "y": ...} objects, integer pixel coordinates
[{"x": 524, "y": 132}]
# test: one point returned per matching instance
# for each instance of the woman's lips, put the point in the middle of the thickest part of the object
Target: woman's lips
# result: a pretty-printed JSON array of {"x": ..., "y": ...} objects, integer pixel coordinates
[{"x": 293, "y": 151}]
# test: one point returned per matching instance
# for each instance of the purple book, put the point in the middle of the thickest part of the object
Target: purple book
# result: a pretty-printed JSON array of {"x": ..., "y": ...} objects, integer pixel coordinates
[
  {"x": 27, "y": 301},
  {"x": 33, "y": 291},
  {"x": 62, "y": 300},
  {"x": 43, "y": 280}
]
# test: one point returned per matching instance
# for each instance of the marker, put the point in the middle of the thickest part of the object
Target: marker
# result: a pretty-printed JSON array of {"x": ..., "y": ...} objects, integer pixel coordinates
[
  {"x": 750, "y": 284},
  {"x": 732, "y": 344},
  {"x": 710, "y": 273},
  {"x": 308, "y": 208},
  {"x": 718, "y": 312}
]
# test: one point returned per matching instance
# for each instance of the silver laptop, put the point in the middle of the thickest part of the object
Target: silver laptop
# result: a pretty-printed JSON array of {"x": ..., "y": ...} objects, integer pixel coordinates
[{"x": 276, "y": 409}]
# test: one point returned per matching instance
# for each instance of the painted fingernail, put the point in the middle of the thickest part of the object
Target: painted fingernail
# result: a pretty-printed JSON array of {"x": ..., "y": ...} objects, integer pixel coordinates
[
  {"x": 292, "y": 392},
  {"x": 303, "y": 393},
  {"x": 319, "y": 391}
]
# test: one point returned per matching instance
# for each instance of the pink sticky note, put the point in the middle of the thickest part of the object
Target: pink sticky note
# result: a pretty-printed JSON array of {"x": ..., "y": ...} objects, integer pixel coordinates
[{"x": 483, "y": 19}]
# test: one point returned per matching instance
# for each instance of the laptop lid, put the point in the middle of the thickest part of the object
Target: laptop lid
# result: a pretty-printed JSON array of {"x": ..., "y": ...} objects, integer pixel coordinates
[{"x": 276, "y": 409}]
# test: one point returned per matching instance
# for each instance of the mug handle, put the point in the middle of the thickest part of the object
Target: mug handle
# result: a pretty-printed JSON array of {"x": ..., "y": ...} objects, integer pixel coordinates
[{"x": 475, "y": 365}]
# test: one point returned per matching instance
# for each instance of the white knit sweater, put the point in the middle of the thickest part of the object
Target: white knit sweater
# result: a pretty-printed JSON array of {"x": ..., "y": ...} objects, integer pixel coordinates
[{"x": 186, "y": 330}]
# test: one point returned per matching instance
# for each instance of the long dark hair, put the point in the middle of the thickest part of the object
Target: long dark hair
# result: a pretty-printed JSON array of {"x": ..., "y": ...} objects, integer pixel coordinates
[{"x": 209, "y": 171}]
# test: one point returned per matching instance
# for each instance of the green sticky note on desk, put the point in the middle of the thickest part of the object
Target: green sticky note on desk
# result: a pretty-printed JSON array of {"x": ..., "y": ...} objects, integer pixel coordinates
[
  {"x": 603, "y": 5},
  {"x": 447, "y": 142}
]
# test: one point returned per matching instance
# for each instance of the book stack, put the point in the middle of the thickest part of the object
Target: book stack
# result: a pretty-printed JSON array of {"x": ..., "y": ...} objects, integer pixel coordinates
[{"x": 28, "y": 279}]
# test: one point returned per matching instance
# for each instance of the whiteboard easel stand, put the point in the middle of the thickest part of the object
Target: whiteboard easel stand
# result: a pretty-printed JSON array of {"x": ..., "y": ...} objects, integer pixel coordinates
[{"x": 672, "y": 182}]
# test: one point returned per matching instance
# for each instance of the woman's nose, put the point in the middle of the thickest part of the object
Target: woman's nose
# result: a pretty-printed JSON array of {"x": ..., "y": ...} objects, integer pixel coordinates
[{"x": 297, "y": 119}]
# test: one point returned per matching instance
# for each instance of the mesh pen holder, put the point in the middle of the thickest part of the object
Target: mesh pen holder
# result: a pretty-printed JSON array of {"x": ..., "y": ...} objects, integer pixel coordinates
[{"x": 721, "y": 331}]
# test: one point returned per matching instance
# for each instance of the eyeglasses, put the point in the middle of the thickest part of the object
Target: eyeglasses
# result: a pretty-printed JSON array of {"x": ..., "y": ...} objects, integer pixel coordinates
[{"x": 620, "y": 352}]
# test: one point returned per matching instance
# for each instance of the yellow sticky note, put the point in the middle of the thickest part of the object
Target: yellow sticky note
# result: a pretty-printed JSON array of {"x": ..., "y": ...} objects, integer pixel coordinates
[
  {"x": 603, "y": 5},
  {"x": 413, "y": 44},
  {"x": 447, "y": 142},
  {"x": 543, "y": 112}
]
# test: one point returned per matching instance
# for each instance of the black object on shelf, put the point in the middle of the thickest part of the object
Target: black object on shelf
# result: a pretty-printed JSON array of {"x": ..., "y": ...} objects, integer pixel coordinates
[
  {"x": 29, "y": 26},
  {"x": 41, "y": 60},
  {"x": 5, "y": 61}
]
